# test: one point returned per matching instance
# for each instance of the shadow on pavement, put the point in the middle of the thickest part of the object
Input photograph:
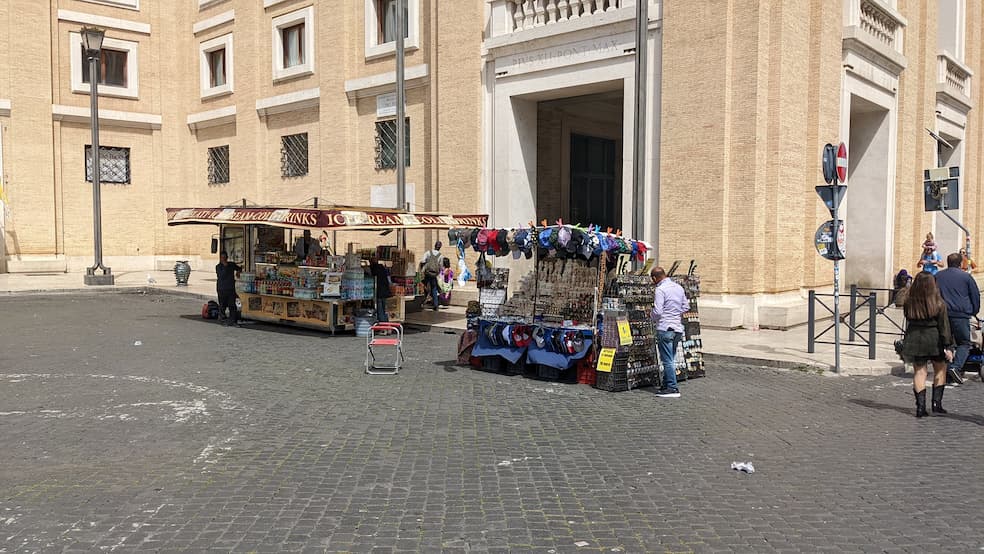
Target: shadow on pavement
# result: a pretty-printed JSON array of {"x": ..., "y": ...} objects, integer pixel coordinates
[
  {"x": 451, "y": 366},
  {"x": 969, "y": 418},
  {"x": 251, "y": 325}
]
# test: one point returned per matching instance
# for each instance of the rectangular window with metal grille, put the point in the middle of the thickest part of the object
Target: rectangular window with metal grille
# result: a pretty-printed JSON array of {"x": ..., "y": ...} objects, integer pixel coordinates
[
  {"x": 386, "y": 143},
  {"x": 294, "y": 155},
  {"x": 114, "y": 164},
  {"x": 218, "y": 165}
]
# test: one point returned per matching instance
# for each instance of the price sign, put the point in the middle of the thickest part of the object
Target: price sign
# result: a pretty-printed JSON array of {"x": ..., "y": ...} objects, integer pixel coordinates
[
  {"x": 605, "y": 360},
  {"x": 624, "y": 332}
]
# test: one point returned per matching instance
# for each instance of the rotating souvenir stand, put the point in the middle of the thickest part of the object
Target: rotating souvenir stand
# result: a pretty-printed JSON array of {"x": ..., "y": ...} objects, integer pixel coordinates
[
  {"x": 690, "y": 362},
  {"x": 628, "y": 341}
]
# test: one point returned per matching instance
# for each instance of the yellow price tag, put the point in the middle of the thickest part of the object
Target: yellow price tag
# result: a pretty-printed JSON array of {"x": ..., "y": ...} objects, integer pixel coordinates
[
  {"x": 605, "y": 360},
  {"x": 624, "y": 333}
]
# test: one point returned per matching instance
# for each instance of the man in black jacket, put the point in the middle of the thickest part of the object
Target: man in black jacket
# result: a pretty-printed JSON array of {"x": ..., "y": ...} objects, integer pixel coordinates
[
  {"x": 963, "y": 301},
  {"x": 226, "y": 273}
]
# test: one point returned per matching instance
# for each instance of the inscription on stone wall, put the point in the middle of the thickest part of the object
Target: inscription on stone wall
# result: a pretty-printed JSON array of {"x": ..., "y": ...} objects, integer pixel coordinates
[{"x": 564, "y": 55}]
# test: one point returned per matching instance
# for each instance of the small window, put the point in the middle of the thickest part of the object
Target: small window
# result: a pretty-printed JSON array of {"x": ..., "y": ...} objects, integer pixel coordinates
[
  {"x": 114, "y": 164},
  {"x": 119, "y": 72},
  {"x": 112, "y": 67},
  {"x": 386, "y": 15},
  {"x": 293, "y": 41},
  {"x": 218, "y": 165},
  {"x": 386, "y": 144},
  {"x": 217, "y": 67},
  {"x": 294, "y": 155},
  {"x": 293, "y": 44}
]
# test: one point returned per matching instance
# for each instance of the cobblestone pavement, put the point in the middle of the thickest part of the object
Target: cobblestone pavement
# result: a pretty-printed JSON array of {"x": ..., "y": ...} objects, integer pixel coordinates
[{"x": 207, "y": 438}]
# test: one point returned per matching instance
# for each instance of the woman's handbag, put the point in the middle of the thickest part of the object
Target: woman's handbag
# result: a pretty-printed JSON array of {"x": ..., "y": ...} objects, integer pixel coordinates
[{"x": 899, "y": 344}]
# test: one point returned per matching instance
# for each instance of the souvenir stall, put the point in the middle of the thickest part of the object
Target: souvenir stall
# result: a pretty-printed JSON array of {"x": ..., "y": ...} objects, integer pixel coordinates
[
  {"x": 580, "y": 314},
  {"x": 322, "y": 290},
  {"x": 549, "y": 326}
]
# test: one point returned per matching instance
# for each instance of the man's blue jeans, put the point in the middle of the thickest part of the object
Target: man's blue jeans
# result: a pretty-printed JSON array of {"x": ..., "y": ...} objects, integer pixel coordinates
[
  {"x": 432, "y": 283},
  {"x": 667, "y": 342},
  {"x": 381, "y": 315},
  {"x": 960, "y": 329}
]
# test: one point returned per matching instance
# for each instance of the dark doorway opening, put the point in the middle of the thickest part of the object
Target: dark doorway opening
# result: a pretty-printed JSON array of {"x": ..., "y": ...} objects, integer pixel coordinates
[{"x": 595, "y": 193}]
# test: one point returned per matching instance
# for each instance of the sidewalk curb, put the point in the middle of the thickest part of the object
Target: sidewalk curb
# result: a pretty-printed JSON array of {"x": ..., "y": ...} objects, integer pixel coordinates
[
  {"x": 783, "y": 364},
  {"x": 118, "y": 289}
]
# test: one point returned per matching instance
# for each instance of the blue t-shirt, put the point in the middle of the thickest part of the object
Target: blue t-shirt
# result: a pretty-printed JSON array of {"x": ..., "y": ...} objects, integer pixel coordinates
[{"x": 931, "y": 268}]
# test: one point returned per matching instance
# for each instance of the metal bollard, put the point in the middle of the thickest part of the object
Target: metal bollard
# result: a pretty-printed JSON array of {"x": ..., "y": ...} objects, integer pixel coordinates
[
  {"x": 872, "y": 326},
  {"x": 811, "y": 323}
]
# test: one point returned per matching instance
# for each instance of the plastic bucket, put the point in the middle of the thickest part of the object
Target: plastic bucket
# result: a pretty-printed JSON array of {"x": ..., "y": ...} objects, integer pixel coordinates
[{"x": 363, "y": 321}]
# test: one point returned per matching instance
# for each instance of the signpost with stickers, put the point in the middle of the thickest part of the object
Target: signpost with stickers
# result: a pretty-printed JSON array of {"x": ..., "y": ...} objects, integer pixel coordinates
[{"x": 830, "y": 239}]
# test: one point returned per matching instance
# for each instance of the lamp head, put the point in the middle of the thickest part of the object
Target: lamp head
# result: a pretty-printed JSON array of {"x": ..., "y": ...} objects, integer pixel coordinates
[{"x": 92, "y": 38}]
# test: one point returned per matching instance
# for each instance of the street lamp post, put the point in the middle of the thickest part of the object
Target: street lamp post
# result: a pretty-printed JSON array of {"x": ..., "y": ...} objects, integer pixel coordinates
[{"x": 92, "y": 39}]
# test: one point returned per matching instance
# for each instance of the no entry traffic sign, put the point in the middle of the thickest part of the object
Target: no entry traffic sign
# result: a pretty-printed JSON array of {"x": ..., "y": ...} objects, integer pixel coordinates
[{"x": 841, "y": 163}]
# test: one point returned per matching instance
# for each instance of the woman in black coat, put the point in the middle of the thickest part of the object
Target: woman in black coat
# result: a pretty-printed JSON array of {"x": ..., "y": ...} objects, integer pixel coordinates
[{"x": 927, "y": 339}]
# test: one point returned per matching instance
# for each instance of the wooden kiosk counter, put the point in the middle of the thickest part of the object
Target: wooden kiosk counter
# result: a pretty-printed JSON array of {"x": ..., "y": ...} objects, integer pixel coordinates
[{"x": 319, "y": 291}]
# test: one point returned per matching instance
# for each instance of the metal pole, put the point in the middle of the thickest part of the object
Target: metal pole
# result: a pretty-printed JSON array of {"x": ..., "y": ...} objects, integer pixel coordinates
[
  {"x": 872, "y": 326},
  {"x": 811, "y": 319},
  {"x": 853, "y": 318},
  {"x": 836, "y": 232},
  {"x": 641, "y": 96},
  {"x": 401, "y": 162},
  {"x": 91, "y": 278}
]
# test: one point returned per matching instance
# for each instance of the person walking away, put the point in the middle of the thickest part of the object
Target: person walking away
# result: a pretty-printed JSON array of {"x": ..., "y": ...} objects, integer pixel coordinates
[
  {"x": 669, "y": 304},
  {"x": 383, "y": 290},
  {"x": 445, "y": 282},
  {"x": 963, "y": 300},
  {"x": 432, "y": 268},
  {"x": 226, "y": 273},
  {"x": 931, "y": 261},
  {"x": 967, "y": 263},
  {"x": 927, "y": 339}
]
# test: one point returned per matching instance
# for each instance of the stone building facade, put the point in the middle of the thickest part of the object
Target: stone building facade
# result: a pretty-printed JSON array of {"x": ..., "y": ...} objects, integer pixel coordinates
[
  {"x": 208, "y": 102},
  {"x": 752, "y": 90},
  {"x": 519, "y": 108}
]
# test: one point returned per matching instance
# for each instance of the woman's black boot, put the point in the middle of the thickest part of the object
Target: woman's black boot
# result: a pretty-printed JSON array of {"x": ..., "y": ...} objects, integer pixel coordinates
[
  {"x": 937, "y": 399},
  {"x": 920, "y": 402}
]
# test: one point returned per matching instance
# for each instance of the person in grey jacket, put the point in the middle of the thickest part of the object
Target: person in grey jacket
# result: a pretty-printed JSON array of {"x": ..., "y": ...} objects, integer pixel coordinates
[{"x": 963, "y": 301}]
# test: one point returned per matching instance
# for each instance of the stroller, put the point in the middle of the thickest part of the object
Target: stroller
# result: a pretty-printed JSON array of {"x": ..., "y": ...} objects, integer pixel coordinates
[{"x": 975, "y": 359}]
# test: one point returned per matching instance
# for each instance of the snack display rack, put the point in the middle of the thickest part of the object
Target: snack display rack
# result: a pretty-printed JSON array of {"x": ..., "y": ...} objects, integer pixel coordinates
[{"x": 320, "y": 297}]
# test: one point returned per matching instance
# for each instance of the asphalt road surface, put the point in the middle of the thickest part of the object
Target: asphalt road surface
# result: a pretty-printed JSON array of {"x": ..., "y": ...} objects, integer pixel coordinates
[{"x": 128, "y": 423}]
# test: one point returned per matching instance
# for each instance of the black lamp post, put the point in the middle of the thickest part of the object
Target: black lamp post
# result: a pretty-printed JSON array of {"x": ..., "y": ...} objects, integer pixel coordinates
[{"x": 92, "y": 39}]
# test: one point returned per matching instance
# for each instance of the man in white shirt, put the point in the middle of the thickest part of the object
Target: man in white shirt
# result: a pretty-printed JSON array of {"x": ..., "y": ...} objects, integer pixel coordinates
[{"x": 669, "y": 305}]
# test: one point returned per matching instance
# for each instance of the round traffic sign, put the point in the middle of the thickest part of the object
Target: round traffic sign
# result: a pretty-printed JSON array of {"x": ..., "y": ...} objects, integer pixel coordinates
[
  {"x": 830, "y": 245},
  {"x": 841, "y": 163},
  {"x": 828, "y": 162}
]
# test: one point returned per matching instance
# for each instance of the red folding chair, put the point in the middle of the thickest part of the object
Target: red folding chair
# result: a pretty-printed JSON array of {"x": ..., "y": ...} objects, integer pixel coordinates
[{"x": 385, "y": 339}]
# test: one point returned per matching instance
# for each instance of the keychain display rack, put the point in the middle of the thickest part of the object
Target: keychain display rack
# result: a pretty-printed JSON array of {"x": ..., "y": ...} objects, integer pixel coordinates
[
  {"x": 691, "y": 362},
  {"x": 628, "y": 299}
]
